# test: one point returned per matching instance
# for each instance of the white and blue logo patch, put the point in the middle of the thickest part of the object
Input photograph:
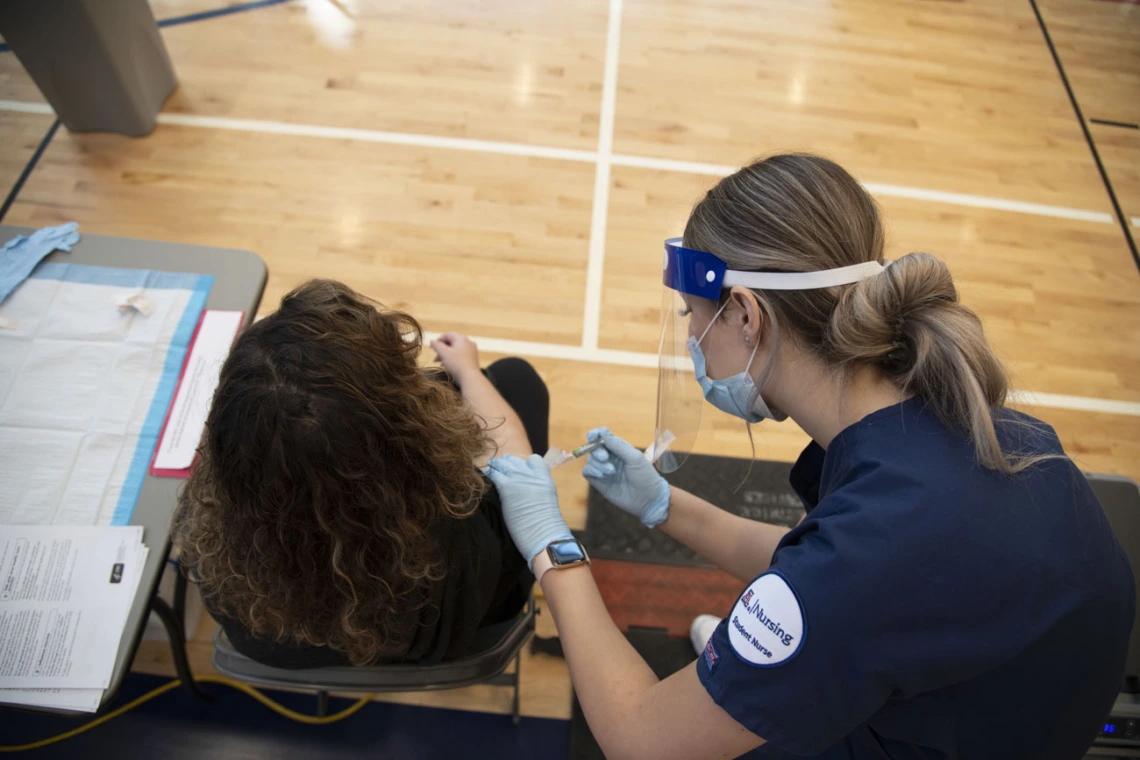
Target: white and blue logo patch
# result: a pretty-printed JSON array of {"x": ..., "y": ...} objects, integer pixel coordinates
[
  {"x": 767, "y": 624},
  {"x": 711, "y": 657}
]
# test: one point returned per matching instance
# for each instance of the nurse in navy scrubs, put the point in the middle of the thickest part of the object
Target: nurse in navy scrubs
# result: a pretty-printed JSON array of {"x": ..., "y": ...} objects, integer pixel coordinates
[{"x": 954, "y": 590}]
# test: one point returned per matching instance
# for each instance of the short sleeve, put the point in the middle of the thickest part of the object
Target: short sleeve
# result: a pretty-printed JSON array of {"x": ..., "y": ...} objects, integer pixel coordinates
[
  {"x": 806, "y": 474},
  {"x": 794, "y": 662}
]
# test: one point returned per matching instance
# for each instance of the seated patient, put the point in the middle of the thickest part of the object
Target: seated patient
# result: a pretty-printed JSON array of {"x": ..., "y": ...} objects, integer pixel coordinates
[{"x": 337, "y": 514}]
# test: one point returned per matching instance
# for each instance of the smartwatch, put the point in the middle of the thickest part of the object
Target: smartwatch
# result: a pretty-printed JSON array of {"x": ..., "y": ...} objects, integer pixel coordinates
[{"x": 559, "y": 555}]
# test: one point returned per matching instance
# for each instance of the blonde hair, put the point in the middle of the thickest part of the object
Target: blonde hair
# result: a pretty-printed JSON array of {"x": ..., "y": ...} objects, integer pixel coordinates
[{"x": 801, "y": 213}]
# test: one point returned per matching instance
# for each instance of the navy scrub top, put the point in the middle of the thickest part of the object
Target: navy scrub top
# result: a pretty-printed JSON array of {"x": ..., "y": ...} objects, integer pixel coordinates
[{"x": 927, "y": 607}]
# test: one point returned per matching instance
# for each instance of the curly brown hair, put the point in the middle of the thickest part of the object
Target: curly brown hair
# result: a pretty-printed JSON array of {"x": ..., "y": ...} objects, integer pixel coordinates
[{"x": 329, "y": 463}]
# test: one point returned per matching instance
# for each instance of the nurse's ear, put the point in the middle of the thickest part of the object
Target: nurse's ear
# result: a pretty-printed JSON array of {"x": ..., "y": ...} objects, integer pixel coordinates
[{"x": 749, "y": 314}]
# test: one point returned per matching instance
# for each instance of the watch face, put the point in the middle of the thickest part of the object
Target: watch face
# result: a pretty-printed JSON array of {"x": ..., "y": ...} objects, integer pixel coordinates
[{"x": 566, "y": 552}]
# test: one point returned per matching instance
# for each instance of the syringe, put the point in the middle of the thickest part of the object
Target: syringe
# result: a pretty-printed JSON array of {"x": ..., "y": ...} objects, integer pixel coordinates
[
  {"x": 585, "y": 449},
  {"x": 556, "y": 456}
]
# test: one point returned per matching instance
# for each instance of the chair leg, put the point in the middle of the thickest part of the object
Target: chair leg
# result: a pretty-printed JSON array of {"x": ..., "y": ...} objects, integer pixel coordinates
[
  {"x": 322, "y": 704},
  {"x": 176, "y": 632},
  {"x": 179, "y": 602},
  {"x": 515, "y": 717}
]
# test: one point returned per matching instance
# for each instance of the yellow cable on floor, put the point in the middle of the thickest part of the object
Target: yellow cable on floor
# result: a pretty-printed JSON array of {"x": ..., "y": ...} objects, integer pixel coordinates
[{"x": 280, "y": 709}]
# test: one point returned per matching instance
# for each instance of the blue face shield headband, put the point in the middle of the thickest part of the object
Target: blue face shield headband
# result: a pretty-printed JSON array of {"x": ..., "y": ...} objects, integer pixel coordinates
[
  {"x": 690, "y": 273},
  {"x": 701, "y": 274}
]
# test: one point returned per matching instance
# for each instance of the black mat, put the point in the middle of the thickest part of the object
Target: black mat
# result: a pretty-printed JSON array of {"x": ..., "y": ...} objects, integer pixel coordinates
[
  {"x": 760, "y": 494},
  {"x": 665, "y": 656},
  {"x": 764, "y": 494}
]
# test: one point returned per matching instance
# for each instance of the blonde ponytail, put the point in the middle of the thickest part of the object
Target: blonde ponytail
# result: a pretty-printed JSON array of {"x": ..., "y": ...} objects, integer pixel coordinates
[
  {"x": 910, "y": 324},
  {"x": 800, "y": 213}
]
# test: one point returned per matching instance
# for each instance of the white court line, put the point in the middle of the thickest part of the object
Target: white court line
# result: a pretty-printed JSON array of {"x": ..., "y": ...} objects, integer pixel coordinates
[
  {"x": 879, "y": 188},
  {"x": 595, "y": 263},
  {"x": 980, "y": 201},
  {"x": 15, "y": 105},
  {"x": 570, "y": 154},
  {"x": 609, "y": 356},
  {"x": 589, "y": 352},
  {"x": 371, "y": 135},
  {"x": 1079, "y": 403},
  {"x": 603, "y": 162},
  {"x": 560, "y": 351},
  {"x": 670, "y": 165},
  {"x": 637, "y": 359}
]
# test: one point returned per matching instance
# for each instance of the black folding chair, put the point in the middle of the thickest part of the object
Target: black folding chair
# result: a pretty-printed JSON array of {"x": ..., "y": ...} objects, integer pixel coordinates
[{"x": 486, "y": 667}]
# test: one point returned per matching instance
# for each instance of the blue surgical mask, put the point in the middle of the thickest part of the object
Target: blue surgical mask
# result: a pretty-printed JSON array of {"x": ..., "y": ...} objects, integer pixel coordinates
[{"x": 733, "y": 394}]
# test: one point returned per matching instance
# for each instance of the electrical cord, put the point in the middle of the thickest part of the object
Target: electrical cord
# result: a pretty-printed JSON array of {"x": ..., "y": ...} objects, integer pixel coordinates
[{"x": 276, "y": 707}]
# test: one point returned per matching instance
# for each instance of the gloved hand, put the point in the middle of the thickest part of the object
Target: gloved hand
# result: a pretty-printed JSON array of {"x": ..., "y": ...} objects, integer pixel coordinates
[
  {"x": 627, "y": 478},
  {"x": 530, "y": 503}
]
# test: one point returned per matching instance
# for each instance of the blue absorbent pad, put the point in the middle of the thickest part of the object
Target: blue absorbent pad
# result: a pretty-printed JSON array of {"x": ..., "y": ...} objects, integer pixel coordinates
[{"x": 85, "y": 375}]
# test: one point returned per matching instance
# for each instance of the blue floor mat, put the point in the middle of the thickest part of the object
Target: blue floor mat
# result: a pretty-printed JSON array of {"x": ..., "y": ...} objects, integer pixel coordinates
[{"x": 174, "y": 726}]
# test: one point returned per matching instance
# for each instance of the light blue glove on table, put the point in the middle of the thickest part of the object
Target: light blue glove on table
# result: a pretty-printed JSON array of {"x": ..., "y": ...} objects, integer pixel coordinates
[
  {"x": 530, "y": 503},
  {"x": 626, "y": 478},
  {"x": 21, "y": 254}
]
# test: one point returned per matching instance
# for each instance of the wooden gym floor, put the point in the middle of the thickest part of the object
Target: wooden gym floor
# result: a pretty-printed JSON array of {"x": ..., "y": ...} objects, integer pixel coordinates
[{"x": 509, "y": 168}]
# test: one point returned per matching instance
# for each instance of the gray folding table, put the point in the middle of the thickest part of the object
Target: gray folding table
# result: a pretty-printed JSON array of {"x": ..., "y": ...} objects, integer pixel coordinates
[{"x": 239, "y": 281}]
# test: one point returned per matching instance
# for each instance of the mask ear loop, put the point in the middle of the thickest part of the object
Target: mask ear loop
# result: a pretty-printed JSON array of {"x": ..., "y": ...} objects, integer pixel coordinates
[
  {"x": 751, "y": 358},
  {"x": 711, "y": 323},
  {"x": 765, "y": 374},
  {"x": 771, "y": 354},
  {"x": 749, "y": 366}
]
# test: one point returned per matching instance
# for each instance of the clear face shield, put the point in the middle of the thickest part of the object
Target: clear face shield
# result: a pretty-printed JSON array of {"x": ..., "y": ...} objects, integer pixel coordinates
[
  {"x": 679, "y": 399},
  {"x": 689, "y": 275},
  {"x": 695, "y": 278}
]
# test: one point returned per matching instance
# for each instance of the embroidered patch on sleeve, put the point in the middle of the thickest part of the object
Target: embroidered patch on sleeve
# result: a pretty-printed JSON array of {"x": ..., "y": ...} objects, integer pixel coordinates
[
  {"x": 711, "y": 657},
  {"x": 767, "y": 624}
]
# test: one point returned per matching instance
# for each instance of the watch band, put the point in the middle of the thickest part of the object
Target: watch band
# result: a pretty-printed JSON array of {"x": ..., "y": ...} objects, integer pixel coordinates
[
  {"x": 540, "y": 564},
  {"x": 544, "y": 561}
]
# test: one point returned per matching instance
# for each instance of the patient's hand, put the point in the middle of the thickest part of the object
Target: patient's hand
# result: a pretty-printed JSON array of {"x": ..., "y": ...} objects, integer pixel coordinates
[{"x": 459, "y": 356}]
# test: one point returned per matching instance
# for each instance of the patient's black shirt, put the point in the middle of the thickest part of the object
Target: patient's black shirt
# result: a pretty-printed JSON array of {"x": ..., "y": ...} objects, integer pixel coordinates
[{"x": 486, "y": 585}]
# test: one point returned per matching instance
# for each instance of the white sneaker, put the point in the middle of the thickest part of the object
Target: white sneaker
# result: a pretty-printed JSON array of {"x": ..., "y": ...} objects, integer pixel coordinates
[{"x": 702, "y": 630}]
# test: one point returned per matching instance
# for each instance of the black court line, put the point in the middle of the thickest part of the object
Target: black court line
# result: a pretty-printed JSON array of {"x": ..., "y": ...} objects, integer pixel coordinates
[
  {"x": 201, "y": 16},
  {"x": 227, "y": 11},
  {"x": 1120, "y": 217},
  {"x": 1108, "y": 123},
  {"x": 28, "y": 169}
]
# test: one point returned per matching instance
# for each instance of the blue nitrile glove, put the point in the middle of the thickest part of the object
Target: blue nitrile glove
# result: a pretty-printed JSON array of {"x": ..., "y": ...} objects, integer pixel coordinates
[
  {"x": 625, "y": 477},
  {"x": 20, "y": 255},
  {"x": 530, "y": 503}
]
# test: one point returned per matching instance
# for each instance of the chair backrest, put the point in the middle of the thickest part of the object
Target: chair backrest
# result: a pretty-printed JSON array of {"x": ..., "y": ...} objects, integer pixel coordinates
[
  {"x": 452, "y": 674},
  {"x": 1120, "y": 498}
]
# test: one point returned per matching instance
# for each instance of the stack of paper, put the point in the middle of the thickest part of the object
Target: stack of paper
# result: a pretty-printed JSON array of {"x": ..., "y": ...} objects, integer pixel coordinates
[{"x": 65, "y": 593}]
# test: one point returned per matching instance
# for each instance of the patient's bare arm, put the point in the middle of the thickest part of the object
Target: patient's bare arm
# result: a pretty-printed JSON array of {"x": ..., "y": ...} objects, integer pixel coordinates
[{"x": 460, "y": 357}]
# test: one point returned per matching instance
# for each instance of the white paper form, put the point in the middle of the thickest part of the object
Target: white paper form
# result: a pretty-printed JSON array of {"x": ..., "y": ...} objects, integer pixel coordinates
[
  {"x": 183, "y": 431},
  {"x": 65, "y": 593},
  {"x": 82, "y": 700}
]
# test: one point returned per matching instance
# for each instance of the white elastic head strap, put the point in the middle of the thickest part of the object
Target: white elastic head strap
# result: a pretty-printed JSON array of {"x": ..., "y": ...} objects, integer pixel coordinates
[{"x": 826, "y": 278}]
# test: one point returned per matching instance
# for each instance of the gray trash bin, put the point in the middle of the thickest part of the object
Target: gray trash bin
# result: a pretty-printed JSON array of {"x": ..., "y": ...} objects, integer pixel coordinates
[{"x": 101, "y": 64}]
